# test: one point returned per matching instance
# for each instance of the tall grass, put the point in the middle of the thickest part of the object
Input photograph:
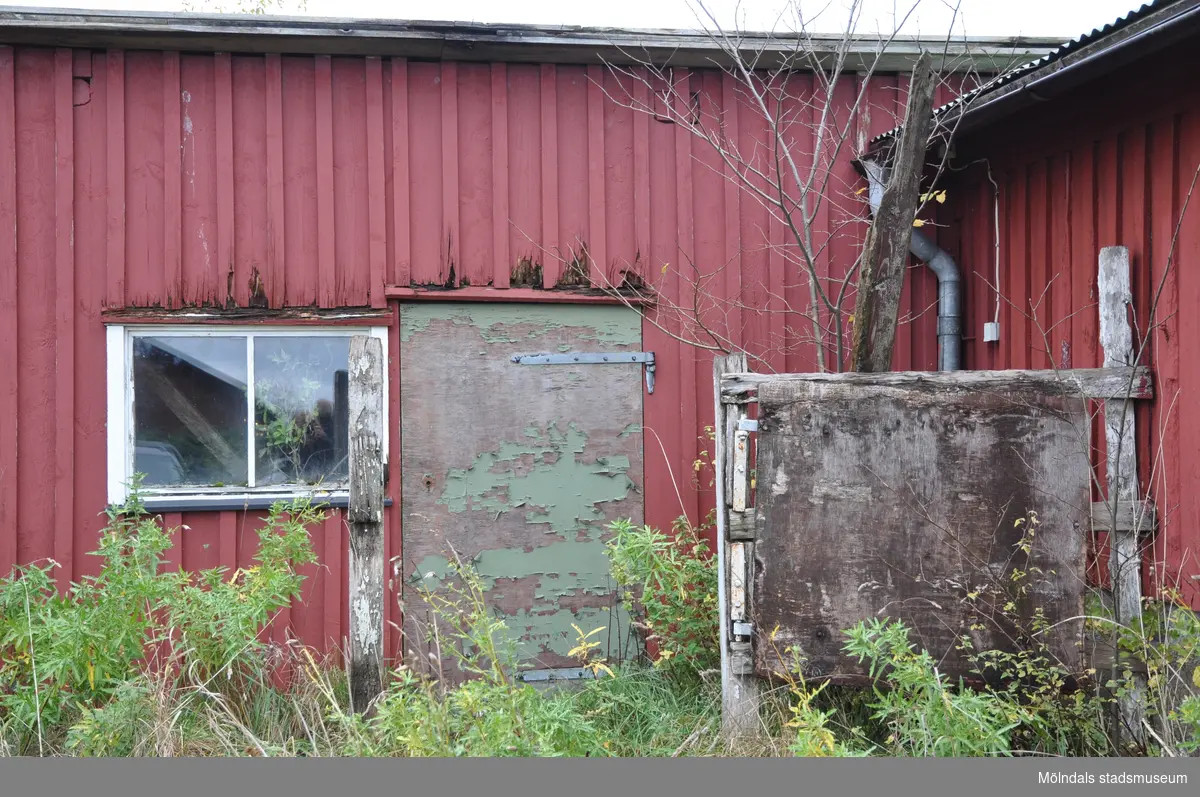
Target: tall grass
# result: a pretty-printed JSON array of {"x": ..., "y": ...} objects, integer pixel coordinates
[{"x": 146, "y": 661}]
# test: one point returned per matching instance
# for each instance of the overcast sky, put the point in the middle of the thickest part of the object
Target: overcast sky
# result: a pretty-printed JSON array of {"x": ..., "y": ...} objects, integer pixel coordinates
[{"x": 1066, "y": 19}]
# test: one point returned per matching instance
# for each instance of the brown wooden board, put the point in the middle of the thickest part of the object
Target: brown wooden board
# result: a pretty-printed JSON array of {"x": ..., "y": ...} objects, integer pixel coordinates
[
  {"x": 518, "y": 469},
  {"x": 900, "y": 501}
]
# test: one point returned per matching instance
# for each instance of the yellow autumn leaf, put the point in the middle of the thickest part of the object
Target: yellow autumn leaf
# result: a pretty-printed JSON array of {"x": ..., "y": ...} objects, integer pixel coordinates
[
  {"x": 591, "y": 633},
  {"x": 860, "y": 191},
  {"x": 665, "y": 267},
  {"x": 91, "y": 675},
  {"x": 918, "y": 222}
]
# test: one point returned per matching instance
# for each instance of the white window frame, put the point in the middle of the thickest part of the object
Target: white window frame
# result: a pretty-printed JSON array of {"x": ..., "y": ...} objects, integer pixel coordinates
[{"x": 120, "y": 436}]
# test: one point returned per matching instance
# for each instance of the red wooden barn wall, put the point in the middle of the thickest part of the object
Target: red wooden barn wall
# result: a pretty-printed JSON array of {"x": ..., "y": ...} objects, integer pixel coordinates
[
  {"x": 168, "y": 179},
  {"x": 1110, "y": 164}
]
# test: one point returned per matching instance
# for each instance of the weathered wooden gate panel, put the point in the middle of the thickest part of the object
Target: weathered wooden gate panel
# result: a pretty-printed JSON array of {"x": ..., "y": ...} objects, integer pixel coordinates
[
  {"x": 901, "y": 499},
  {"x": 519, "y": 468}
]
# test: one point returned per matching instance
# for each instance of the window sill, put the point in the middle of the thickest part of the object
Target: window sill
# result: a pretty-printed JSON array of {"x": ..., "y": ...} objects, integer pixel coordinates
[{"x": 158, "y": 504}]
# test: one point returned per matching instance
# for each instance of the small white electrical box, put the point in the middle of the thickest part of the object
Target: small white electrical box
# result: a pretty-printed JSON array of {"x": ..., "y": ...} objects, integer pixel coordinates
[{"x": 991, "y": 332}]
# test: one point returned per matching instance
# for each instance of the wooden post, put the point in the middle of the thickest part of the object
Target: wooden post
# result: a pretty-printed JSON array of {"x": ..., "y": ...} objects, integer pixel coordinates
[
  {"x": 885, "y": 251},
  {"x": 1125, "y": 564},
  {"x": 739, "y": 687},
  {"x": 366, "y": 521}
]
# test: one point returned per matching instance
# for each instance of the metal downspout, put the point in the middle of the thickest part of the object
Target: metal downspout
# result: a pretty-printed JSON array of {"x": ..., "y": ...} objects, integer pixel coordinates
[{"x": 949, "y": 329}]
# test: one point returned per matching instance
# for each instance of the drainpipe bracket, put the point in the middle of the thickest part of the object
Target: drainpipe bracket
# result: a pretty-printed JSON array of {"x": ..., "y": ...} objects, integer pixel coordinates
[{"x": 949, "y": 325}]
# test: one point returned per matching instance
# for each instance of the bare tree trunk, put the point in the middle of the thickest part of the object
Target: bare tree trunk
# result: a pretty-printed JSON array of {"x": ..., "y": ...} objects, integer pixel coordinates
[{"x": 885, "y": 253}]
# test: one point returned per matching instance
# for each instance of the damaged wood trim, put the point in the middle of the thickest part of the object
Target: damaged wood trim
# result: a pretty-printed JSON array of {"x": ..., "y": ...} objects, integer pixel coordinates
[
  {"x": 1139, "y": 516},
  {"x": 1097, "y": 383},
  {"x": 288, "y": 317},
  {"x": 737, "y": 582},
  {"x": 742, "y": 525},
  {"x": 480, "y": 294},
  {"x": 741, "y": 465}
]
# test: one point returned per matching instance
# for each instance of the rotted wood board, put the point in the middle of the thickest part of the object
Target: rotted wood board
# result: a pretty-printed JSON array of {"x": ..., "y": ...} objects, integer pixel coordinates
[
  {"x": 517, "y": 470},
  {"x": 902, "y": 501}
]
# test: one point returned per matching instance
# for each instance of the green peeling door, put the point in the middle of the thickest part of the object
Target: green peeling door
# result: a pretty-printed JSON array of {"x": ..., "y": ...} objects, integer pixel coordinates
[{"x": 518, "y": 470}]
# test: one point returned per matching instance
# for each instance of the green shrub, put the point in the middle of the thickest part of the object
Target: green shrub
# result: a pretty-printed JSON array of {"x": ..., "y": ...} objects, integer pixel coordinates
[
  {"x": 1167, "y": 641},
  {"x": 490, "y": 713},
  {"x": 676, "y": 577},
  {"x": 926, "y": 717},
  {"x": 68, "y": 656},
  {"x": 623, "y": 711}
]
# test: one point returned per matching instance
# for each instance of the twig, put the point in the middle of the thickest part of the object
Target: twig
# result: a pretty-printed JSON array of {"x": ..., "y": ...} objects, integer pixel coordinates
[
  {"x": 690, "y": 740},
  {"x": 37, "y": 700},
  {"x": 1166, "y": 748}
]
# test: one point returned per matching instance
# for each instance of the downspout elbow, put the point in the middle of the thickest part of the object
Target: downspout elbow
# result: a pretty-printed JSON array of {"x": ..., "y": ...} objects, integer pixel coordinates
[{"x": 950, "y": 310}]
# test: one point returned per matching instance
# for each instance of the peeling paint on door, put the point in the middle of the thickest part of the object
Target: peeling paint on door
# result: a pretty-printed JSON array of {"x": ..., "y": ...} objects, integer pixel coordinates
[
  {"x": 531, "y": 477},
  {"x": 518, "y": 470}
]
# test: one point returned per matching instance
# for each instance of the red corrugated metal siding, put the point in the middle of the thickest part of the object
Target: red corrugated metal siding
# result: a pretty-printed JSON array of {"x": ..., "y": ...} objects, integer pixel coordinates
[
  {"x": 1109, "y": 165},
  {"x": 168, "y": 179}
]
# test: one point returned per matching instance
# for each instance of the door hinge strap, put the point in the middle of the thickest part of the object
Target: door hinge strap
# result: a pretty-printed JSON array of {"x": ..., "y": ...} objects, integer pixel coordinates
[
  {"x": 556, "y": 674},
  {"x": 592, "y": 358}
]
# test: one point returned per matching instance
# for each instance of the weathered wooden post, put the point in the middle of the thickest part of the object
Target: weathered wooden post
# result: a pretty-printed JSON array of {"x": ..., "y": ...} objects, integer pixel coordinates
[
  {"x": 735, "y": 555},
  {"x": 885, "y": 251},
  {"x": 366, "y": 520},
  {"x": 1124, "y": 513}
]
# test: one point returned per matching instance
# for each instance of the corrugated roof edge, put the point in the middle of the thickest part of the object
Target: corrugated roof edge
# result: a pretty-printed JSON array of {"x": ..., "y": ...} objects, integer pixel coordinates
[
  {"x": 470, "y": 41},
  {"x": 1159, "y": 16}
]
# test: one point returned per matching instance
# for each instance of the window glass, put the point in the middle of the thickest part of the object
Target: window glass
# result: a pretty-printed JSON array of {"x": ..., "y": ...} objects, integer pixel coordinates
[
  {"x": 190, "y": 410},
  {"x": 300, "y": 409}
]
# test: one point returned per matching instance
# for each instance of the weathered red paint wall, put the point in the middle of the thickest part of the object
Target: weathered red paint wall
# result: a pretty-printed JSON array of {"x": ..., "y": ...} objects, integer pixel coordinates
[
  {"x": 1110, "y": 164},
  {"x": 168, "y": 179}
]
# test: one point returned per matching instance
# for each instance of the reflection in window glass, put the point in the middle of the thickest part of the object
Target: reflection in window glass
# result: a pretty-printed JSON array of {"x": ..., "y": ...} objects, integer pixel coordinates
[
  {"x": 190, "y": 410},
  {"x": 300, "y": 412}
]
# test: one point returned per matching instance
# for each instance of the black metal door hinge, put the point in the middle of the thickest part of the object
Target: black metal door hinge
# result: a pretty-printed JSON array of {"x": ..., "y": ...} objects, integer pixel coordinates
[{"x": 592, "y": 358}]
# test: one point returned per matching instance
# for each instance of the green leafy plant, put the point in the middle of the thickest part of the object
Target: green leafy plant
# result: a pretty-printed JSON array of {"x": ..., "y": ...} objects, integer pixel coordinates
[
  {"x": 676, "y": 577},
  {"x": 215, "y": 617},
  {"x": 927, "y": 717},
  {"x": 811, "y": 723},
  {"x": 490, "y": 713},
  {"x": 1166, "y": 641},
  {"x": 1058, "y": 717},
  {"x": 67, "y": 655}
]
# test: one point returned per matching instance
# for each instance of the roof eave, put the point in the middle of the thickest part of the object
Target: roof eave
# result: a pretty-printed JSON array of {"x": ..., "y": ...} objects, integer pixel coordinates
[
  {"x": 1160, "y": 28},
  {"x": 462, "y": 41}
]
